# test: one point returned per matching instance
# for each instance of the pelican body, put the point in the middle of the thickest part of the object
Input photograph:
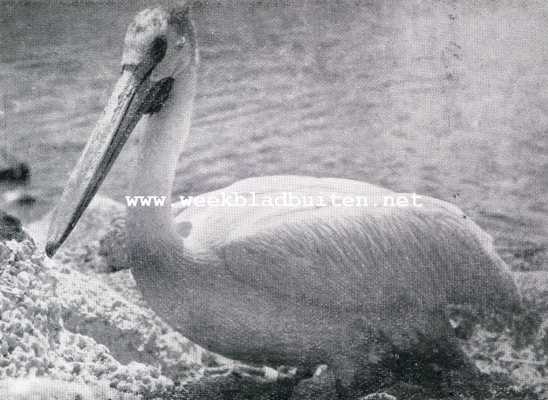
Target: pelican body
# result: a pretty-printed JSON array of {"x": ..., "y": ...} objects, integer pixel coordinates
[{"x": 302, "y": 285}]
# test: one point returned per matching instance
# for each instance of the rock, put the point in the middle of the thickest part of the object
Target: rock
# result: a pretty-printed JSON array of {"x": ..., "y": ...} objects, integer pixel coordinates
[
  {"x": 54, "y": 324},
  {"x": 12, "y": 170},
  {"x": 10, "y": 227}
]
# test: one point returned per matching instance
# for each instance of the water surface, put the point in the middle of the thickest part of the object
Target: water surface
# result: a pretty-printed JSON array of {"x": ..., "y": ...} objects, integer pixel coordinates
[{"x": 443, "y": 98}]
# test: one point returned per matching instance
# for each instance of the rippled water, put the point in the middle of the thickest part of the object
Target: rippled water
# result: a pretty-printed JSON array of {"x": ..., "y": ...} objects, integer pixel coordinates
[{"x": 444, "y": 98}]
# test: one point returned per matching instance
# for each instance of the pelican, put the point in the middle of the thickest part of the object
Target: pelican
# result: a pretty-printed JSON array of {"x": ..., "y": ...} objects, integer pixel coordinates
[{"x": 306, "y": 286}]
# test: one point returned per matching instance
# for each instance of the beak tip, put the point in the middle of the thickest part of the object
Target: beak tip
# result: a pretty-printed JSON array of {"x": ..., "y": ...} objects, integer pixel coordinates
[{"x": 51, "y": 248}]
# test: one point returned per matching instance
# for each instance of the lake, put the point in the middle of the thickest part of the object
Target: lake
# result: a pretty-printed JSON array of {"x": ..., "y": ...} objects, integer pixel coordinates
[{"x": 443, "y": 98}]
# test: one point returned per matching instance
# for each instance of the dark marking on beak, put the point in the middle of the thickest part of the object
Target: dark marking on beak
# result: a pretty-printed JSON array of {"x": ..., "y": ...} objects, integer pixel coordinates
[{"x": 157, "y": 96}]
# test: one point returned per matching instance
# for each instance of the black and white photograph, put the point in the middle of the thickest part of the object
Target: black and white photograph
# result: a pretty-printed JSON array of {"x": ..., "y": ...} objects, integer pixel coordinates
[{"x": 273, "y": 200}]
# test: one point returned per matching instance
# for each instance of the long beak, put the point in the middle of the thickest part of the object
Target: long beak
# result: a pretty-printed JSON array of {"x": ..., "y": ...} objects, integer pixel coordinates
[{"x": 123, "y": 111}]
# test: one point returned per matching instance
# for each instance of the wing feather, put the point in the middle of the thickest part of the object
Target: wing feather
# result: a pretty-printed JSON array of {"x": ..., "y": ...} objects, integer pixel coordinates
[
  {"x": 349, "y": 258},
  {"x": 356, "y": 262}
]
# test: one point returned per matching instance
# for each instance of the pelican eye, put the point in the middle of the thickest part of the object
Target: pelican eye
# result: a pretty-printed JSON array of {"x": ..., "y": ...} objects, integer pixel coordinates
[{"x": 180, "y": 43}]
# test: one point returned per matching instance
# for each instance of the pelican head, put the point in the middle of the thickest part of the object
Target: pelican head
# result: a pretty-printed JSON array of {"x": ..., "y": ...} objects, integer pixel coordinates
[
  {"x": 159, "y": 48},
  {"x": 157, "y": 42}
]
